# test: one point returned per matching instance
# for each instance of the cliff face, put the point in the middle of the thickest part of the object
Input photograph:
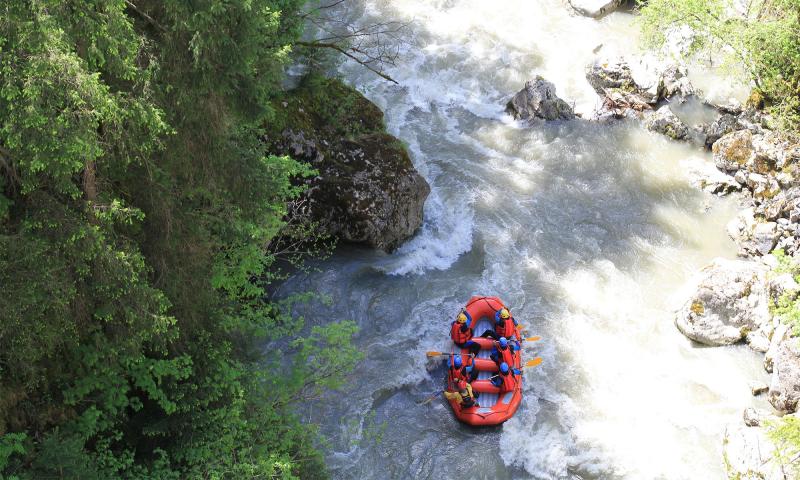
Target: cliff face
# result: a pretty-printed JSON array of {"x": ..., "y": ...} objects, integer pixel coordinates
[{"x": 367, "y": 190}]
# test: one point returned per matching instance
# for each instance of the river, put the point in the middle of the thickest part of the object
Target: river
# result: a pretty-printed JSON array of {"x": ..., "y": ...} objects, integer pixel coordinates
[{"x": 589, "y": 232}]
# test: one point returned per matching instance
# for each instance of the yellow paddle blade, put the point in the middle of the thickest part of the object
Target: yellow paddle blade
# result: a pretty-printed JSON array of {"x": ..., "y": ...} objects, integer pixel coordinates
[
  {"x": 433, "y": 354},
  {"x": 534, "y": 363},
  {"x": 533, "y": 339}
]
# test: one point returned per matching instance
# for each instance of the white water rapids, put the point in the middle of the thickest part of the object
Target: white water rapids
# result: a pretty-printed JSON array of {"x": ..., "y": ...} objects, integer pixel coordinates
[{"x": 587, "y": 231}]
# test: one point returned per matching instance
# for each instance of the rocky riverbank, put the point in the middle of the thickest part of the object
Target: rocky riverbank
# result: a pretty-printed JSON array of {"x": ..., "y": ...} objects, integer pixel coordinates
[
  {"x": 732, "y": 301},
  {"x": 367, "y": 189}
]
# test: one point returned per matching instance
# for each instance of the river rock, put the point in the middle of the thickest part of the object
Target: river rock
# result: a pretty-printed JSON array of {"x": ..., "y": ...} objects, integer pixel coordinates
[
  {"x": 778, "y": 336},
  {"x": 703, "y": 174},
  {"x": 730, "y": 300},
  {"x": 756, "y": 389},
  {"x": 724, "y": 125},
  {"x": 784, "y": 389},
  {"x": 604, "y": 74},
  {"x": 674, "y": 81},
  {"x": 733, "y": 151},
  {"x": 667, "y": 123},
  {"x": 783, "y": 284},
  {"x": 539, "y": 100},
  {"x": 367, "y": 189},
  {"x": 595, "y": 8},
  {"x": 749, "y": 454},
  {"x": 754, "y": 417}
]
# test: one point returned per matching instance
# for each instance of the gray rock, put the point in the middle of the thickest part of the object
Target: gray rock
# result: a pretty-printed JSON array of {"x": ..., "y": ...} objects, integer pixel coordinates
[
  {"x": 783, "y": 284},
  {"x": 667, "y": 123},
  {"x": 595, "y": 8},
  {"x": 674, "y": 81},
  {"x": 367, "y": 189},
  {"x": 784, "y": 389},
  {"x": 749, "y": 454},
  {"x": 754, "y": 417},
  {"x": 733, "y": 151},
  {"x": 757, "y": 388},
  {"x": 778, "y": 336},
  {"x": 604, "y": 74},
  {"x": 765, "y": 237},
  {"x": 705, "y": 175},
  {"x": 538, "y": 100},
  {"x": 730, "y": 301},
  {"x": 724, "y": 125}
]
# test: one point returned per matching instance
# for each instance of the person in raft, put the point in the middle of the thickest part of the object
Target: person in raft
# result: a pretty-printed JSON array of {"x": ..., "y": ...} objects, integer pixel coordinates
[
  {"x": 503, "y": 351},
  {"x": 459, "y": 371},
  {"x": 505, "y": 378},
  {"x": 461, "y": 332},
  {"x": 463, "y": 396},
  {"x": 504, "y": 325}
]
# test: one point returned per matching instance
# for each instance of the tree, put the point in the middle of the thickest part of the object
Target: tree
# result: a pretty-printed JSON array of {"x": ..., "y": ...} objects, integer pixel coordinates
[{"x": 764, "y": 38}]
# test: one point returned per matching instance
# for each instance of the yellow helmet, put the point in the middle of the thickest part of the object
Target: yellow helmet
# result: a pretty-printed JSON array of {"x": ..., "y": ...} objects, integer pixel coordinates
[
  {"x": 504, "y": 313},
  {"x": 461, "y": 318}
]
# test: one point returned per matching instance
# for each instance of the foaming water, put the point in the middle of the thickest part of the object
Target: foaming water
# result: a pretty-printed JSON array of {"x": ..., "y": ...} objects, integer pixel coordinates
[{"x": 589, "y": 232}]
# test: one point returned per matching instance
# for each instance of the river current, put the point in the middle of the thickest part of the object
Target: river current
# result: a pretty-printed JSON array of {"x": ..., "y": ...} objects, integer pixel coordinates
[{"x": 588, "y": 232}]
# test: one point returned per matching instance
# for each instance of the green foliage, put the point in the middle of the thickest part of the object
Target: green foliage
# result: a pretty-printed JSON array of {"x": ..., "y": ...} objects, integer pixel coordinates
[
  {"x": 140, "y": 226},
  {"x": 785, "y": 432},
  {"x": 765, "y": 39},
  {"x": 788, "y": 305}
]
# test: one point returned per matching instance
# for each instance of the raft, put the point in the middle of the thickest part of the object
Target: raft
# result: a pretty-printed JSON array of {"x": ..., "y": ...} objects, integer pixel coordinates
[{"x": 493, "y": 407}]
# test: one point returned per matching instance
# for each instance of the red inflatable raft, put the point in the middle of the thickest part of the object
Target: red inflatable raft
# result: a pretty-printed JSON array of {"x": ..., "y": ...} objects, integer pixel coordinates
[{"x": 494, "y": 407}]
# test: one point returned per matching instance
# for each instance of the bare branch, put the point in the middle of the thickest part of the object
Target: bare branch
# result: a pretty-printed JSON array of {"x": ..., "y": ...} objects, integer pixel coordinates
[
  {"x": 349, "y": 55},
  {"x": 145, "y": 16}
]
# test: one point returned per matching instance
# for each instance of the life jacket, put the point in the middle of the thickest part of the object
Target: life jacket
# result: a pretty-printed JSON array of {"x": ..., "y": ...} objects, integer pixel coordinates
[
  {"x": 509, "y": 382},
  {"x": 504, "y": 355},
  {"x": 505, "y": 328},
  {"x": 458, "y": 373},
  {"x": 467, "y": 399},
  {"x": 458, "y": 336}
]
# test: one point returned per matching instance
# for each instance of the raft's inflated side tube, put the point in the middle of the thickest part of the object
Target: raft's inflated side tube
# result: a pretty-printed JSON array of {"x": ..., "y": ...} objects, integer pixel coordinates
[{"x": 507, "y": 402}]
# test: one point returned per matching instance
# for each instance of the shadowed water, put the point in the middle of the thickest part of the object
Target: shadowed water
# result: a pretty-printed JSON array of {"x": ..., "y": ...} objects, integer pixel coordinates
[{"x": 587, "y": 231}]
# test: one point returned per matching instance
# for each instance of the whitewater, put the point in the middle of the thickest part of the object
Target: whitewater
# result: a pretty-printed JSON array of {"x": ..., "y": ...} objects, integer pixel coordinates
[{"x": 590, "y": 232}]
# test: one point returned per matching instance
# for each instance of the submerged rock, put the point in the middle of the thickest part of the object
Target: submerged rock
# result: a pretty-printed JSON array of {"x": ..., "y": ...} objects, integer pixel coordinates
[
  {"x": 367, "y": 189},
  {"x": 595, "y": 8},
  {"x": 730, "y": 301},
  {"x": 665, "y": 122},
  {"x": 539, "y": 100}
]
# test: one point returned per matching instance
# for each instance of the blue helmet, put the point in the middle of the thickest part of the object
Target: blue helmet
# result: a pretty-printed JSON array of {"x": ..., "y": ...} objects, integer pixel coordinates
[
  {"x": 457, "y": 361},
  {"x": 504, "y": 367},
  {"x": 503, "y": 342}
]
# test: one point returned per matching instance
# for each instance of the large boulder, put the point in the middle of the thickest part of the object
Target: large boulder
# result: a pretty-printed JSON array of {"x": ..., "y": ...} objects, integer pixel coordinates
[
  {"x": 367, "y": 189},
  {"x": 595, "y": 8},
  {"x": 784, "y": 389},
  {"x": 665, "y": 122},
  {"x": 604, "y": 74},
  {"x": 733, "y": 151},
  {"x": 729, "y": 302},
  {"x": 724, "y": 125},
  {"x": 539, "y": 100},
  {"x": 749, "y": 454}
]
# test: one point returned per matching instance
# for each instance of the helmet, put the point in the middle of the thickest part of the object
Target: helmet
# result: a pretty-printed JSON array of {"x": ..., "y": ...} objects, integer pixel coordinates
[
  {"x": 457, "y": 361},
  {"x": 462, "y": 385},
  {"x": 503, "y": 342},
  {"x": 461, "y": 318},
  {"x": 504, "y": 367},
  {"x": 504, "y": 313}
]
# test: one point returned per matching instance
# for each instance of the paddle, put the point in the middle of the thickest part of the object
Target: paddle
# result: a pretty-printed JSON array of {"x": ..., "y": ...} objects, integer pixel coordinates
[
  {"x": 440, "y": 354},
  {"x": 429, "y": 399},
  {"x": 532, "y": 339},
  {"x": 529, "y": 364}
]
